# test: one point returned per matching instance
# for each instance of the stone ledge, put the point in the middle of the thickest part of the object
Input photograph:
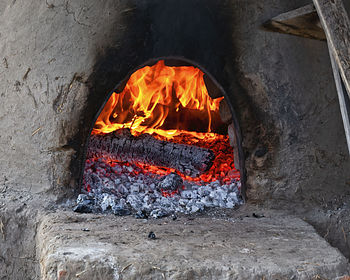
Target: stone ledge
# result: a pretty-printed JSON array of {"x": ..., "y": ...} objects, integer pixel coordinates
[{"x": 85, "y": 246}]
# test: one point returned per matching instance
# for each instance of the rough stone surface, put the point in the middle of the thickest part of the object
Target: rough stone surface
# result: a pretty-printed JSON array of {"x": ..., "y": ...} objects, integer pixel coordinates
[
  {"x": 18, "y": 223},
  {"x": 106, "y": 247}
]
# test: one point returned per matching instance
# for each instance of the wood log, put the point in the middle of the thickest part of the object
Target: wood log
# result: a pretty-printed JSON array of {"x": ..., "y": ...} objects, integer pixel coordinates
[{"x": 122, "y": 146}]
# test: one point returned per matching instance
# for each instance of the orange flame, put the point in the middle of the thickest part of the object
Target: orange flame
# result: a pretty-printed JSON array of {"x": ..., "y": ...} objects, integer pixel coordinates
[{"x": 151, "y": 95}]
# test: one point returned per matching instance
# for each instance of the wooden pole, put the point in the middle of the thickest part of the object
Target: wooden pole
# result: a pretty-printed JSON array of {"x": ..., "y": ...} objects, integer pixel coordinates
[
  {"x": 344, "y": 100},
  {"x": 336, "y": 24}
]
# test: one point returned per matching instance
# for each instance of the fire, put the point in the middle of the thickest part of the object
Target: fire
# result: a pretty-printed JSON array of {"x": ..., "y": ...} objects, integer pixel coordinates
[
  {"x": 153, "y": 101},
  {"x": 155, "y": 93}
]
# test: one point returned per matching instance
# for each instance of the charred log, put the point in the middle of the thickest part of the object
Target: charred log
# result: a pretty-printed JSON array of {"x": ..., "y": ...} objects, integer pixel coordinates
[{"x": 122, "y": 146}]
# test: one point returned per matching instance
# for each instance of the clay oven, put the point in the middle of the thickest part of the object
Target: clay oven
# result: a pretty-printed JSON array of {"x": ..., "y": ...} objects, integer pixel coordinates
[{"x": 63, "y": 61}]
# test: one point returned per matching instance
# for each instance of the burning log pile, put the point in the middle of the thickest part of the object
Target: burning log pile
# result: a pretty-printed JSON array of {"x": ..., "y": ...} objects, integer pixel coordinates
[{"x": 153, "y": 151}]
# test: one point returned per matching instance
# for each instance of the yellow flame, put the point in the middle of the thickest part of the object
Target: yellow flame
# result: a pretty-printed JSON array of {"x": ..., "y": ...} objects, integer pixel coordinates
[{"x": 149, "y": 95}]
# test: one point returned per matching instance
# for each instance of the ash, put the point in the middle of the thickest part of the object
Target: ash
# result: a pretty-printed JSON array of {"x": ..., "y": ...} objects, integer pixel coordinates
[{"x": 127, "y": 189}]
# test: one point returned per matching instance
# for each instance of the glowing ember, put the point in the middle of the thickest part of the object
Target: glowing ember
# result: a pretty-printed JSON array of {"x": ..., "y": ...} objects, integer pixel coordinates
[
  {"x": 124, "y": 189},
  {"x": 223, "y": 169}
]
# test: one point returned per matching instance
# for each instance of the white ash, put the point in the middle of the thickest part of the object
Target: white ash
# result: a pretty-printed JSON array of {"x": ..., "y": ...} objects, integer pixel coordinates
[{"x": 125, "y": 190}]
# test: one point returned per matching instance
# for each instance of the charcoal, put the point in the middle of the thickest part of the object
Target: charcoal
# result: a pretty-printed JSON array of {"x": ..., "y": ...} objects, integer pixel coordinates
[
  {"x": 135, "y": 201},
  {"x": 122, "y": 189},
  {"x": 126, "y": 189},
  {"x": 232, "y": 196},
  {"x": 108, "y": 201},
  {"x": 121, "y": 211},
  {"x": 159, "y": 213},
  {"x": 204, "y": 191},
  {"x": 141, "y": 214},
  {"x": 183, "y": 202},
  {"x": 193, "y": 209},
  {"x": 230, "y": 203},
  {"x": 258, "y": 216},
  {"x": 189, "y": 194},
  {"x": 151, "y": 235},
  {"x": 85, "y": 204},
  {"x": 85, "y": 199},
  {"x": 135, "y": 189},
  {"x": 171, "y": 182},
  {"x": 207, "y": 201},
  {"x": 83, "y": 208},
  {"x": 218, "y": 196}
]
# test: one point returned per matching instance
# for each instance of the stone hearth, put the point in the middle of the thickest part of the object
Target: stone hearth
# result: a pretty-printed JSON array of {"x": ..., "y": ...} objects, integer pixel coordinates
[{"x": 222, "y": 246}]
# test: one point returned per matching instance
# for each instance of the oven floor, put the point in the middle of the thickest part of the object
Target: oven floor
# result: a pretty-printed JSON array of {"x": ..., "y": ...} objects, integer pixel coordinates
[{"x": 238, "y": 246}]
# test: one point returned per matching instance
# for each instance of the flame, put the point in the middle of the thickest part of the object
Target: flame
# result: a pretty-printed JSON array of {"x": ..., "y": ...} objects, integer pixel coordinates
[{"x": 151, "y": 95}]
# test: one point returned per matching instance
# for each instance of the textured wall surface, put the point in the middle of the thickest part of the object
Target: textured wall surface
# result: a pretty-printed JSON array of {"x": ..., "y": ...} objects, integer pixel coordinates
[
  {"x": 290, "y": 84},
  {"x": 60, "y": 59},
  {"x": 41, "y": 108}
]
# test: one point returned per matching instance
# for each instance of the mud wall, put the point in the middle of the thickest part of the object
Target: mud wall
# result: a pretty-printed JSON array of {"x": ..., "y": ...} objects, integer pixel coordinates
[{"x": 60, "y": 60}]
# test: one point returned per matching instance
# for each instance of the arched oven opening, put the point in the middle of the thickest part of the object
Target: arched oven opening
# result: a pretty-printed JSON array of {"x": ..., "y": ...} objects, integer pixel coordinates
[{"x": 165, "y": 141}]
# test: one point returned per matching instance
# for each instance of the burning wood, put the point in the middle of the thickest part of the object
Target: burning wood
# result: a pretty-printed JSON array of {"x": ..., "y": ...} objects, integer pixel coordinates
[
  {"x": 122, "y": 146},
  {"x": 172, "y": 171}
]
